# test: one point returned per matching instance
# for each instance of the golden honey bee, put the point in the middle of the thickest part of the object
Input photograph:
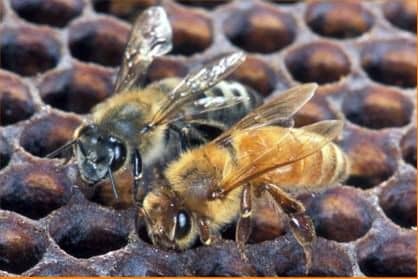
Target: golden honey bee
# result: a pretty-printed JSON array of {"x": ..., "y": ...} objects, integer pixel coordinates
[
  {"x": 139, "y": 125},
  {"x": 215, "y": 184}
]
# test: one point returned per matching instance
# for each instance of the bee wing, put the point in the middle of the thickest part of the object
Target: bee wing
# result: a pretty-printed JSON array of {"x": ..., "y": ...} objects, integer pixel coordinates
[
  {"x": 292, "y": 146},
  {"x": 187, "y": 91},
  {"x": 151, "y": 36},
  {"x": 281, "y": 108}
]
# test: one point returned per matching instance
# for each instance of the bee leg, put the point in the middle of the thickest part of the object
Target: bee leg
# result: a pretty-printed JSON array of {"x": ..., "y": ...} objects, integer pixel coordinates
[
  {"x": 136, "y": 168},
  {"x": 183, "y": 139},
  {"x": 300, "y": 224},
  {"x": 207, "y": 237},
  {"x": 244, "y": 225}
]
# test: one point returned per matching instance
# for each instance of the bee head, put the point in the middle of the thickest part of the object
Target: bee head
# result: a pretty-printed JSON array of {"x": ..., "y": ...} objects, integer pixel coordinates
[
  {"x": 98, "y": 153},
  {"x": 169, "y": 223}
]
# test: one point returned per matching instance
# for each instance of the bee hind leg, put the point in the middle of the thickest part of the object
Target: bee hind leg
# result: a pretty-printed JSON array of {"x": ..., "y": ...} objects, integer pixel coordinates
[
  {"x": 244, "y": 225},
  {"x": 300, "y": 224}
]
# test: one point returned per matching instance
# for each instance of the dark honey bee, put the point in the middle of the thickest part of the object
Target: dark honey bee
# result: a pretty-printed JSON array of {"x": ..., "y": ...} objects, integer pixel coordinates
[
  {"x": 139, "y": 125},
  {"x": 214, "y": 185}
]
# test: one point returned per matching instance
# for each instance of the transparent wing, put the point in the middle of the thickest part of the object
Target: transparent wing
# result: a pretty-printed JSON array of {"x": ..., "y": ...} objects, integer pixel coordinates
[
  {"x": 279, "y": 109},
  {"x": 200, "y": 107},
  {"x": 291, "y": 146},
  {"x": 187, "y": 91},
  {"x": 151, "y": 36}
]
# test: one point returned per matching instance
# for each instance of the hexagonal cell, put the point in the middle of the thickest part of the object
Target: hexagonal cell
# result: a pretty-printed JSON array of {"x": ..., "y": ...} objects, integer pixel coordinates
[
  {"x": 315, "y": 110},
  {"x": 257, "y": 74},
  {"x": 148, "y": 261},
  {"x": 22, "y": 244},
  {"x": 402, "y": 14},
  {"x": 44, "y": 135},
  {"x": 388, "y": 254},
  {"x": 165, "y": 67},
  {"x": 398, "y": 199},
  {"x": 340, "y": 214},
  {"x": 320, "y": 62},
  {"x": 88, "y": 231},
  {"x": 16, "y": 103},
  {"x": 391, "y": 62},
  {"x": 377, "y": 107},
  {"x": 204, "y": 3},
  {"x": 77, "y": 89},
  {"x": 192, "y": 30},
  {"x": 342, "y": 19},
  {"x": 34, "y": 190},
  {"x": 329, "y": 259},
  {"x": 61, "y": 268},
  {"x": 373, "y": 156},
  {"x": 409, "y": 146},
  {"x": 260, "y": 28},
  {"x": 52, "y": 12},
  {"x": 5, "y": 153},
  {"x": 100, "y": 41},
  {"x": 29, "y": 50},
  {"x": 128, "y": 10}
]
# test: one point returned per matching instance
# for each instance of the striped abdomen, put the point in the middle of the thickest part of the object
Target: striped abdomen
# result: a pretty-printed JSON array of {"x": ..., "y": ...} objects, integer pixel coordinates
[
  {"x": 230, "y": 89},
  {"x": 321, "y": 162}
]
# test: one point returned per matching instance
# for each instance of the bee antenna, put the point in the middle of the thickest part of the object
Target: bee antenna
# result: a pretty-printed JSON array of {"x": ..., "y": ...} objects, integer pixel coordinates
[
  {"x": 112, "y": 180},
  {"x": 62, "y": 148}
]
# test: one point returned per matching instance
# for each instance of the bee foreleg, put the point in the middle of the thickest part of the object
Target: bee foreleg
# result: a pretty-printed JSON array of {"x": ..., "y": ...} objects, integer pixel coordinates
[
  {"x": 300, "y": 224},
  {"x": 207, "y": 236},
  {"x": 136, "y": 168},
  {"x": 186, "y": 133},
  {"x": 244, "y": 226}
]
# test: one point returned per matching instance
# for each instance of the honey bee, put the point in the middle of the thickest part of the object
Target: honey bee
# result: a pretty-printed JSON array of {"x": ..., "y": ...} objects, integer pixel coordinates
[
  {"x": 139, "y": 125},
  {"x": 215, "y": 184}
]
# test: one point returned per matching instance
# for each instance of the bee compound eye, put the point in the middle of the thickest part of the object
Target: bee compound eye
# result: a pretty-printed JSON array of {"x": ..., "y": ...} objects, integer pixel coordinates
[
  {"x": 119, "y": 153},
  {"x": 183, "y": 224}
]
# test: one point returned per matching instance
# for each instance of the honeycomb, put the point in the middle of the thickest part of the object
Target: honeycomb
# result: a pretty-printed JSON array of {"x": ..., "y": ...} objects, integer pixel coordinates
[{"x": 59, "y": 59}]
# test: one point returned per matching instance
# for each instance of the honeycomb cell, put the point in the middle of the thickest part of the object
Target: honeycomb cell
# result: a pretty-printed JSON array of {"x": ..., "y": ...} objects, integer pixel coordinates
[
  {"x": 148, "y": 262},
  {"x": 44, "y": 135},
  {"x": 388, "y": 254},
  {"x": 61, "y": 268},
  {"x": 77, "y": 89},
  {"x": 340, "y": 214},
  {"x": 127, "y": 9},
  {"x": 22, "y": 245},
  {"x": 28, "y": 50},
  {"x": 373, "y": 156},
  {"x": 377, "y": 107},
  {"x": 339, "y": 19},
  {"x": 164, "y": 67},
  {"x": 391, "y": 62},
  {"x": 16, "y": 104},
  {"x": 52, "y": 12},
  {"x": 34, "y": 190},
  {"x": 221, "y": 260},
  {"x": 315, "y": 110},
  {"x": 402, "y": 13},
  {"x": 409, "y": 146},
  {"x": 192, "y": 30},
  {"x": 260, "y": 28},
  {"x": 5, "y": 153},
  {"x": 99, "y": 41},
  {"x": 87, "y": 231},
  {"x": 257, "y": 74},
  {"x": 204, "y": 3},
  {"x": 319, "y": 62},
  {"x": 329, "y": 259},
  {"x": 269, "y": 221},
  {"x": 399, "y": 199}
]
